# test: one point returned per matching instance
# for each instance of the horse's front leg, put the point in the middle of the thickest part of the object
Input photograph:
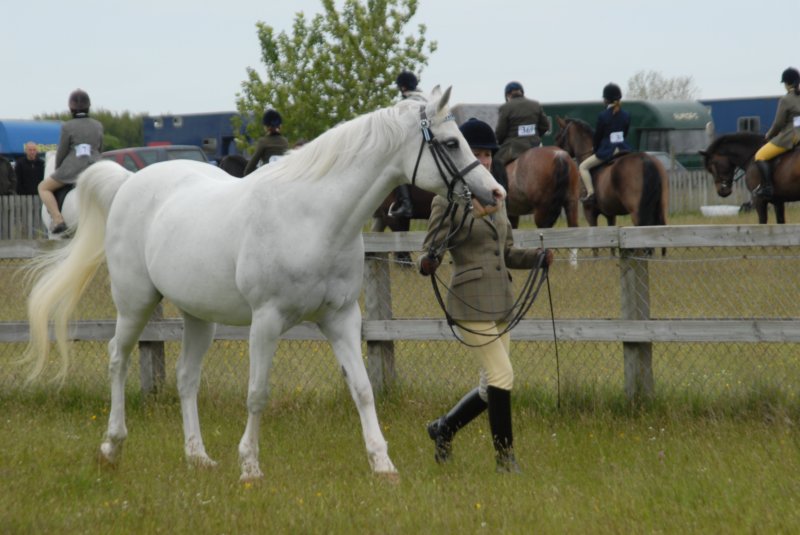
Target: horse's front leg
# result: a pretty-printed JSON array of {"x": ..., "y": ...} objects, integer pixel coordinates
[
  {"x": 264, "y": 334},
  {"x": 342, "y": 328},
  {"x": 197, "y": 338},
  {"x": 780, "y": 212},
  {"x": 762, "y": 208}
]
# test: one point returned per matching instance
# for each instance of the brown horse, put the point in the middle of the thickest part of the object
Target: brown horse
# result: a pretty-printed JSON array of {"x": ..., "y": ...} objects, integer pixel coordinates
[
  {"x": 634, "y": 183},
  {"x": 730, "y": 152}
]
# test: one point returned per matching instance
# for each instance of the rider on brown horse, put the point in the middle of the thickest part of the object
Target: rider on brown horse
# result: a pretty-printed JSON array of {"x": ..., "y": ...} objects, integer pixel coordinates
[
  {"x": 784, "y": 134},
  {"x": 609, "y": 138},
  {"x": 520, "y": 124}
]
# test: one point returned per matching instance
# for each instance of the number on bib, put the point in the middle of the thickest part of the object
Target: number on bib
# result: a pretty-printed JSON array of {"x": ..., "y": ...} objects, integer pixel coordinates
[
  {"x": 84, "y": 149},
  {"x": 617, "y": 137},
  {"x": 526, "y": 130}
]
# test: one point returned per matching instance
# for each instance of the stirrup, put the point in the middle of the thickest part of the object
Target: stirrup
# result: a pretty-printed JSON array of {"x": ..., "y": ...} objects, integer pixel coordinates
[
  {"x": 588, "y": 199},
  {"x": 403, "y": 211},
  {"x": 763, "y": 192},
  {"x": 58, "y": 229}
]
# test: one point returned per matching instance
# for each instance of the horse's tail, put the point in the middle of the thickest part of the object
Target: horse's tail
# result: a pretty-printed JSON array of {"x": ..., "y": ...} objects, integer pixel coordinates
[
  {"x": 60, "y": 277},
  {"x": 560, "y": 188},
  {"x": 650, "y": 204}
]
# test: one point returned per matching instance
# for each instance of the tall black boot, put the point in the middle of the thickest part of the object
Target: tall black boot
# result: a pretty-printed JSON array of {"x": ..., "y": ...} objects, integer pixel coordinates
[
  {"x": 765, "y": 189},
  {"x": 500, "y": 424},
  {"x": 442, "y": 430},
  {"x": 402, "y": 206}
]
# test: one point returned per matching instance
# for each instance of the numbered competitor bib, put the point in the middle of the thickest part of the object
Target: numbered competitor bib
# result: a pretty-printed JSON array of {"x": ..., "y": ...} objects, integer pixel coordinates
[
  {"x": 84, "y": 149},
  {"x": 526, "y": 130},
  {"x": 617, "y": 137},
  {"x": 796, "y": 121}
]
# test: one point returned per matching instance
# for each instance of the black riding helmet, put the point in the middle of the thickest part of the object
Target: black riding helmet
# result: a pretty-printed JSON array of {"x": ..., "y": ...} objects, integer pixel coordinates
[
  {"x": 479, "y": 135},
  {"x": 79, "y": 101},
  {"x": 272, "y": 118},
  {"x": 612, "y": 92},
  {"x": 407, "y": 80},
  {"x": 513, "y": 86},
  {"x": 791, "y": 76}
]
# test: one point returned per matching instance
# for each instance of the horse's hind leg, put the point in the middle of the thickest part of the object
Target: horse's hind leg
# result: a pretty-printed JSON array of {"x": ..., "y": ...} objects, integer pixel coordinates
[
  {"x": 343, "y": 330},
  {"x": 129, "y": 327},
  {"x": 197, "y": 338}
]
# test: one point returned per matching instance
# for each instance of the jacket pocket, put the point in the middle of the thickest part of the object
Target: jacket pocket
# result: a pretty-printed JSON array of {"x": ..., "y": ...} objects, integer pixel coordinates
[{"x": 467, "y": 275}]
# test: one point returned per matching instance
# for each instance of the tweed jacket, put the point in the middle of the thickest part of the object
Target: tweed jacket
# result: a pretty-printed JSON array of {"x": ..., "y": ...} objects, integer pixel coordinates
[
  {"x": 521, "y": 123},
  {"x": 267, "y": 147},
  {"x": 80, "y": 146},
  {"x": 480, "y": 287},
  {"x": 785, "y": 132}
]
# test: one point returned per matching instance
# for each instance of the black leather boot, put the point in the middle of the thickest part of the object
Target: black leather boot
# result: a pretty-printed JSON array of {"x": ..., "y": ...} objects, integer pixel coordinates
[
  {"x": 442, "y": 430},
  {"x": 402, "y": 206},
  {"x": 765, "y": 189},
  {"x": 502, "y": 435}
]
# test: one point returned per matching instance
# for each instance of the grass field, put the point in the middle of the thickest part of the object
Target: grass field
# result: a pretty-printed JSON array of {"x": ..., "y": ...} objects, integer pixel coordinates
[{"x": 692, "y": 461}]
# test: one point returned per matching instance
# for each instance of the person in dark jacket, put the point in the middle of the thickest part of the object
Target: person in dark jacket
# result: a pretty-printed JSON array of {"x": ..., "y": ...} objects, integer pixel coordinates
[
  {"x": 8, "y": 180},
  {"x": 29, "y": 170},
  {"x": 480, "y": 300},
  {"x": 521, "y": 123},
  {"x": 784, "y": 134},
  {"x": 271, "y": 146},
  {"x": 610, "y": 137},
  {"x": 79, "y": 146}
]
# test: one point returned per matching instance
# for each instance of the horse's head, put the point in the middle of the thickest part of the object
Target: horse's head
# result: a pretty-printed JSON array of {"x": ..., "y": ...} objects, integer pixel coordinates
[
  {"x": 722, "y": 169},
  {"x": 444, "y": 162},
  {"x": 574, "y": 136},
  {"x": 728, "y": 154}
]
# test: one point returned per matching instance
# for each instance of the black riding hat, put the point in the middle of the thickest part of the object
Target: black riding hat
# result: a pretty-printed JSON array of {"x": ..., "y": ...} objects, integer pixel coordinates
[
  {"x": 612, "y": 92},
  {"x": 791, "y": 76},
  {"x": 479, "y": 135},
  {"x": 514, "y": 86},
  {"x": 407, "y": 80},
  {"x": 272, "y": 118},
  {"x": 79, "y": 101}
]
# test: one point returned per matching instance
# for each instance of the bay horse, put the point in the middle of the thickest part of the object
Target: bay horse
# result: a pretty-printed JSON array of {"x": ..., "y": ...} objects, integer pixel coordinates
[
  {"x": 634, "y": 183},
  {"x": 731, "y": 152},
  {"x": 278, "y": 248}
]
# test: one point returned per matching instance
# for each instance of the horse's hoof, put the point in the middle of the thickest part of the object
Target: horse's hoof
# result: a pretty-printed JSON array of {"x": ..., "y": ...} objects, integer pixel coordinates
[
  {"x": 251, "y": 476},
  {"x": 107, "y": 457},
  {"x": 393, "y": 478},
  {"x": 203, "y": 462}
]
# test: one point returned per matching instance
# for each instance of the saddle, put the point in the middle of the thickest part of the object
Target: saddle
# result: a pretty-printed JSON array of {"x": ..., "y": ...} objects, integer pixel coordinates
[
  {"x": 606, "y": 163},
  {"x": 61, "y": 194}
]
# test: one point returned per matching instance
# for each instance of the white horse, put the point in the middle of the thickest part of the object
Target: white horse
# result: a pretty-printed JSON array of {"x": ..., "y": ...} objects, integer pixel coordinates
[
  {"x": 69, "y": 209},
  {"x": 282, "y": 247}
]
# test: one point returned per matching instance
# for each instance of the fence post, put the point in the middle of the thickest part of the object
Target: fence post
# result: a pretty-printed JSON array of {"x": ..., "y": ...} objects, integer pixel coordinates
[
  {"x": 635, "y": 304},
  {"x": 378, "y": 306},
  {"x": 152, "y": 368}
]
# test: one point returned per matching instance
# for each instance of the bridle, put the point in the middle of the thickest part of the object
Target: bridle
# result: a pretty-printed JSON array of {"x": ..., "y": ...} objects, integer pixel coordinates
[
  {"x": 562, "y": 138},
  {"x": 727, "y": 182}
]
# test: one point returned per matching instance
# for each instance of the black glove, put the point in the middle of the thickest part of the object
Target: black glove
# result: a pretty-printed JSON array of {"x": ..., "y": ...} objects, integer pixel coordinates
[{"x": 428, "y": 265}]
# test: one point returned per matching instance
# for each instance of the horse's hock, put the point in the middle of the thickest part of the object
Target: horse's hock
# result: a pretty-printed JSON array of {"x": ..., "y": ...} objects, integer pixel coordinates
[{"x": 703, "y": 319}]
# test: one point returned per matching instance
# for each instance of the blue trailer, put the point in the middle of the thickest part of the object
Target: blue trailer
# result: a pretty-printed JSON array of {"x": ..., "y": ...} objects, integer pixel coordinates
[
  {"x": 213, "y": 132},
  {"x": 749, "y": 114},
  {"x": 15, "y": 133}
]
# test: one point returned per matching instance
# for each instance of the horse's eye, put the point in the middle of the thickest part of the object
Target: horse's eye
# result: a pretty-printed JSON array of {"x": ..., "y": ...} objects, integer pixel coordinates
[{"x": 451, "y": 143}]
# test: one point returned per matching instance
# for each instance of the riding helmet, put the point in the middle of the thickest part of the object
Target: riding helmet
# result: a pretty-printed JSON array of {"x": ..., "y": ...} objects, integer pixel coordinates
[
  {"x": 612, "y": 93},
  {"x": 407, "y": 81},
  {"x": 79, "y": 101},
  {"x": 791, "y": 76},
  {"x": 479, "y": 135},
  {"x": 272, "y": 118},
  {"x": 514, "y": 86}
]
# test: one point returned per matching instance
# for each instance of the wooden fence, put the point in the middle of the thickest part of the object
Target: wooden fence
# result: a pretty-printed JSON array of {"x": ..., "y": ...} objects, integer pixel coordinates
[
  {"x": 634, "y": 328},
  {"x": 20, "y": 217}
]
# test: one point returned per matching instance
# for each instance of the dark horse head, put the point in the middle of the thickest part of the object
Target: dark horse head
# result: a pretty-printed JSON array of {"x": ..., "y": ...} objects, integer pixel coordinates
[{"x": 728, "y": 153}]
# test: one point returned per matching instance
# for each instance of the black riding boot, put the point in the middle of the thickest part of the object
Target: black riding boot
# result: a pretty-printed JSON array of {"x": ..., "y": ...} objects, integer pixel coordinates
[
  {"x": 500, "y": 424},
  {"x": 765, "y": 189},
  {"x": 442, "y": 430},
  {"x": 402, "y": 206}
]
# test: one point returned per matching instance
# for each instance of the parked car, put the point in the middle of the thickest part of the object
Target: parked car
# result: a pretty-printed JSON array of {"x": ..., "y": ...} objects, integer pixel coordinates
[
  {"x": 669, "y": 163},
  {"x": 135, "y": 158}
]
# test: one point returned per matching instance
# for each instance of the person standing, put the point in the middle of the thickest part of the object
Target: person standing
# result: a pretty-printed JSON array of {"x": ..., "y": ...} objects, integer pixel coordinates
[
  {"x": 610, "y": 138},
  {"x": 29, "y": 170},
  {"x": 521, "y": 123},
  {"x": 784, "y": 134},
  {"x": 271, "y": 146},
  {"x": 8, "y": 180},
  {"x": 79, "y": 146},
  {"x": 480, "y": 300}
]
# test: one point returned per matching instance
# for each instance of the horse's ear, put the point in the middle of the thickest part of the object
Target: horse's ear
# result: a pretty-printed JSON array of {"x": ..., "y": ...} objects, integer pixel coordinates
[
  {"x": 435, "y": 92},
  {"x": 561, "y": 122},
  {"x": 442, "y": 104}
]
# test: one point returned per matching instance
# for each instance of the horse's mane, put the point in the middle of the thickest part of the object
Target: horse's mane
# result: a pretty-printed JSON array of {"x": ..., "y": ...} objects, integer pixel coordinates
[
  {"x": 738, "y": 138},
  {"x": 340, "y": 147},
  {"x": 580, "y": 123}
]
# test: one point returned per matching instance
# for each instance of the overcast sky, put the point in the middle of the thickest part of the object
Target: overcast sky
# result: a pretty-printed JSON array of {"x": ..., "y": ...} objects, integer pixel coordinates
[{"x": 186, "y": 56}]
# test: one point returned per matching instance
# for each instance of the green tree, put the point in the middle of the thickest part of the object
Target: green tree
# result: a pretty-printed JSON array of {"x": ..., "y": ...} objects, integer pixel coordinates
[
  {"x": 652, "y": 85},
  {"x": 120, "y": 130},
  {"x": 336, "y": 66}
]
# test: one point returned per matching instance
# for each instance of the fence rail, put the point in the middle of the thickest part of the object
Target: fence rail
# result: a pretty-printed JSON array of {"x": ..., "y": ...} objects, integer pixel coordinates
[{"x": 633, "y": 324}]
